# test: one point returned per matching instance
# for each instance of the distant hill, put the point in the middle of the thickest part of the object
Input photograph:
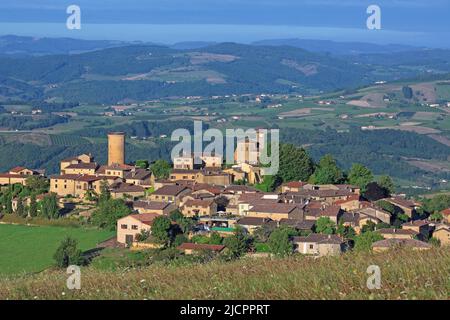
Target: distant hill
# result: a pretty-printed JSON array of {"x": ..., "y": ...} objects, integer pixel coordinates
[
  {"x": 11, "y": 44},
  {"x": 336, "y": 48},
  {"x": 111, "y": 72}
]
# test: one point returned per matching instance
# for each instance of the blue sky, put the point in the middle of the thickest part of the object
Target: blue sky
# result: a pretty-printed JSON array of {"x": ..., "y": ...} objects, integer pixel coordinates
[{"x": 422, "y": 22}]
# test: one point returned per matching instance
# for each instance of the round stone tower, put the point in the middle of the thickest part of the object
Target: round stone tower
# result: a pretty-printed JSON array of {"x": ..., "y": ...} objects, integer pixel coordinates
[{"x": 116, "y": 148}]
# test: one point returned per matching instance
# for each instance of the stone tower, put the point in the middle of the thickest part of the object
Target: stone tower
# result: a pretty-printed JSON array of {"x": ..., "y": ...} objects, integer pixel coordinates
[{"x": 116, "y": 148}]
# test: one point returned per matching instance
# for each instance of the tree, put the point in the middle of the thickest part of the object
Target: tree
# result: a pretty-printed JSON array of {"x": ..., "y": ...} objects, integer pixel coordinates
[
  {"x": 8, "y": 203},
  {"x": 142, "y": 164},
  {"x": 215, "y": 238},
  {"x": 374, "y": 192},
  {"x": 237, "y": 244},
  {"x": 262, "y": 233},
  {"x": 144, "y": 235},
  {"x": 368, "y": 227},
  {"x": 280, "y": 241},
  {"x": 407, "y": 92},
  {"x": 327, "y": 172},
  {"x": 437, "y": 203},
  {"x": 346, "y": 232},
  {"x": 32, "y": 210},
  {"x": 364, "y": 241},
  {"x": 360, "y": 176},
  {"x": 20, "y": 210},
  {"x": 49, "y": 207},
  {"x": 37, "y": 184},
  {"x": 436, "y": 217},
  {"x": 324, "y": 225},
  {"x": 105, "y": 194},
  {"x": 68, "y": 254},
  {"x": 108, "y": 212},
  {"x": 160, "y": 229},
  {"x": 161, "y": 169},
  {"x": 386, "y": 183},
  {"x": 295, "y": 164},
  {"x": 269, "y": 184}
]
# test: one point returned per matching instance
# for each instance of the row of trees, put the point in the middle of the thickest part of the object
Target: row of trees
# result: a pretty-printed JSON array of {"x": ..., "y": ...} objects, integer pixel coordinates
[{"x": 297, "y": 165}]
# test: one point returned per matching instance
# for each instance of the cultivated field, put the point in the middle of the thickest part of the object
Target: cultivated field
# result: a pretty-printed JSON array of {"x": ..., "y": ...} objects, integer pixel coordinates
[
  {"x": 31, "y": 248},
  {"x": 404, "y": 275}
]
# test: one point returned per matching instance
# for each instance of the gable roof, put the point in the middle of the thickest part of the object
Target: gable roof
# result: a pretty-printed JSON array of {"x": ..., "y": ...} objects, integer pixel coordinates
[
  {"x": 145, "y": 218},
  {"x": 389, "y": 243},
  {"x": 170, "y": 190},
  {"x": 319, "y": 238},
  {"x": 274, "y": 207},
  {"x": 151, "y": 205}
]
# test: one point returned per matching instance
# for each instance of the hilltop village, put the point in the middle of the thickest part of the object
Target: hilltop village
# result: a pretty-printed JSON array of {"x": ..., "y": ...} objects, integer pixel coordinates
[{"x": 197, "y": 207}]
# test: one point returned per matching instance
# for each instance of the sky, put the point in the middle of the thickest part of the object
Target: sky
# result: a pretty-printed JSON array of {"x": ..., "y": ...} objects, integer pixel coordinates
[{"x": 420, "y": 22}]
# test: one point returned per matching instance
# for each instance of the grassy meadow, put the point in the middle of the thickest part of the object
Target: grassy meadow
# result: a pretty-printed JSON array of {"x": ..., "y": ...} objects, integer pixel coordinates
[
  {"x": 28, "y": 249},
  {"x": 404, "y": 275}
]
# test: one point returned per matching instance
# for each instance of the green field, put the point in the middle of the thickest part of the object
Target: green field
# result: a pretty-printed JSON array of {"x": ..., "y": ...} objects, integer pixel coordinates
[{"x": 31, "y": 249}]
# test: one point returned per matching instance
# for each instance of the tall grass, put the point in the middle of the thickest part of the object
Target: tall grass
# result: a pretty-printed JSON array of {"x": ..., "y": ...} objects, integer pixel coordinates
[{"x": 404, "y": 275}]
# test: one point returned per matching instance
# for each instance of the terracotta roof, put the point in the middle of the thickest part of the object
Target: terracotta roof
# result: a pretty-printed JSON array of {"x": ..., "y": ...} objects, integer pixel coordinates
[
  {"x": 416, "y": 223},
  {"x": 294, "y": 184},
  {"x": 198, "y": 203},
  {"x": 298, "y": 224},
  {"x": 171, "y": 190},
  {"x": 319, "y": 238},
  {"x": 389, "y": 243},
  {"x": 126, "y": 187},
  {"x": 82, "y": 165},
  {"x": 145, "y": 218},
  {"x": 253, "y": 221},
  {"x": 150, "y": 205},
  {"x": 446, "y": 212},
  {"x": 138, "y": 174},
  {"x": 274, "y": 208},
  {"x": 198, "y": 246},
  {"x": 397, "y": 231},
  {"x": 17, "y": 169},
  {"x": 402, "y": 202}
]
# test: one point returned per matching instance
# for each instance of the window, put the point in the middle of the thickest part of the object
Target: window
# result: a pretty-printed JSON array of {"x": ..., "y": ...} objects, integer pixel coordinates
[
  {"x": 311, "y": 246},
  {"x": 134, "y": 227},
  {"x": 124, "y": 226}
]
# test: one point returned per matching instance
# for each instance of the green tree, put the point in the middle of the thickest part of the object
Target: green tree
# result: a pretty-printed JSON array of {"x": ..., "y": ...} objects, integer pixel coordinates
[
  {"x": 327, "y": 172},
  {"x": 21, "y": 210},
  {"x": 37, "y": 184},
  {"x": 8, "y": 203},
  {"x": 346, "y": 232},
  {"x": 262, "y": 233},
  {"x": 436, "y": 217},
  {"x": 215, "y": 238},
  {"x": 364, "y": 241},
  {"x": 160, "y": 229},
  {"x": 68, "y": 254},
  {"x": 237, "y": 244},
  {"x": 324, "y": 225},
  {"x": 49, "y": 207},
  {"x": 143, "y": 164},
  {"x": 32, "y": 210},
  {"x": 280, "y": 241},
  {"x": 108, "y": 212},
  {"x": 295, "y": 164},
  {"x": 387, "y": 183},
  {"x": 161, "y": 169},
  {"x": 360, "y": 176},
  {"x": 269, "y": 184},
  {"x": 368, "y": 227},
  {"x": 105, "y": 194}
]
